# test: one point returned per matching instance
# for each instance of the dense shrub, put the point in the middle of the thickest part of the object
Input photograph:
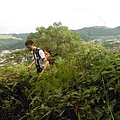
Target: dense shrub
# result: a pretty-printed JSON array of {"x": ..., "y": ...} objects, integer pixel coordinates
[{"x": 84, "y": 85}]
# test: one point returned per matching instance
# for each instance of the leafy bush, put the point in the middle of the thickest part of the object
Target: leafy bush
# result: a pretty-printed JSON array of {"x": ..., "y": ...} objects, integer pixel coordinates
[
  {"x": 86, "y": 87},
  {"x": 56, "y": 39},
  {"x": 83, "y": 84}
]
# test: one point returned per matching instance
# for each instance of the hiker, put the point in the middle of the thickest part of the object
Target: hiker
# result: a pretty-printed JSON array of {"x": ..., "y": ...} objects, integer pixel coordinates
[{"x": 39, "y": 57}]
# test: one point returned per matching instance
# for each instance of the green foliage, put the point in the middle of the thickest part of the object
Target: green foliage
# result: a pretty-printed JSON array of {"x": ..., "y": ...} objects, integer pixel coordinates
[
  {"x": 12, "y": 41},
  {"x": 99, "y": 31},
  {"x": 56, "y": 39},
  {"x": 11, "y": 44},
  {"x": 109, "y": 37},
  {"x": 16, "y": 57},
  {"x": 21, "y": 35},
  {"x": 14, "y": 89},
  {"x": 83, "y": 84}
]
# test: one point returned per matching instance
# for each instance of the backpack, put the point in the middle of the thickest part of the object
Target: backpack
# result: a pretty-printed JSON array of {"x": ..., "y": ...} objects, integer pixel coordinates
[
  {"x": 47, "y": 55},
  {"x": 38, "y": 67}
]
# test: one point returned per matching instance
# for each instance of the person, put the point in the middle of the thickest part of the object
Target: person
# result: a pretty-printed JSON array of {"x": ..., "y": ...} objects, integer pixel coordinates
[{"x": 39, "y": 57}]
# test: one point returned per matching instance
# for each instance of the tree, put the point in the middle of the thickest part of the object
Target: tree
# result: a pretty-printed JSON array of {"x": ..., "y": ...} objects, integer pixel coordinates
[{"x": 56, "y": 39}]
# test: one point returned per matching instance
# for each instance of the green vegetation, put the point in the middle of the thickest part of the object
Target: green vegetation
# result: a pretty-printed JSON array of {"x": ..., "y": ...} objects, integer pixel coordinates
[
  {"x": 99, "y": 31},
  {"x": 109, "y": 37},
  {"x": 56, "y": 39},
  {"x": 12, "y": 41},
  {"x": 11, "y": 44},
  {"x": 21, "y": 35},
  {"x": 3, "y": 36},
  {"x": 82, "y": 84}
]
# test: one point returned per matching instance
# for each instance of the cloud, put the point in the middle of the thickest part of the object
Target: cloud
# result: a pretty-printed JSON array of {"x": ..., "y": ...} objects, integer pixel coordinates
[{"x": 26, "y": 15}]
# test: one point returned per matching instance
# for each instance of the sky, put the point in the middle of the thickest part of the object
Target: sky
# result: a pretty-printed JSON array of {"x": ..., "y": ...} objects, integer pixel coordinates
[{"x": 24, "y": 16}]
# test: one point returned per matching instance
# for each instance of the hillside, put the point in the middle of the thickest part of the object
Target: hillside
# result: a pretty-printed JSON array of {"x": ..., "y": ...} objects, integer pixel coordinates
[
  {"x": 99, "y": 31},
  {"x": 109, "y": 37},
  {"x": 12, "y": 41}
]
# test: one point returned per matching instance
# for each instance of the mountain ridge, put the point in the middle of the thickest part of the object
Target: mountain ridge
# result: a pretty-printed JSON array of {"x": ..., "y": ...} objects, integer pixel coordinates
[{"x": 99, "y": 31}]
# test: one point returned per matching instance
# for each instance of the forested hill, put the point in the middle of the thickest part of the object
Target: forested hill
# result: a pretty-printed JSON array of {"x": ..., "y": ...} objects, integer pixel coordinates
[
  {"x": 12, "y": 41},
  {"x": 98, "y": 31}
]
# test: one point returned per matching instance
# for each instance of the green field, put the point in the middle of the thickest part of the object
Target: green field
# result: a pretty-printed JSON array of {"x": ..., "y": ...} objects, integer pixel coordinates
[{"x": 4, "y": 36}]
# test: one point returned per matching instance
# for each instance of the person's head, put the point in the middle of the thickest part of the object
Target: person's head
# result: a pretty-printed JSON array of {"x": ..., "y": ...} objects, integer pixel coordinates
[{"x": 30, "y": 45}]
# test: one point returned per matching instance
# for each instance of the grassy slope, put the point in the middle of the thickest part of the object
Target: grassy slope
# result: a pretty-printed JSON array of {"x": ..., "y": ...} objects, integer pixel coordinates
[
  {"x": 12, "y": 41},
  {"x": 6, "y": 36}
]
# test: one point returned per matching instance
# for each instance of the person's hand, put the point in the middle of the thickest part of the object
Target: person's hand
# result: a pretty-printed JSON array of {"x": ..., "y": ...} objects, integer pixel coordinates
[
  {"x": 29, "y": 67},
  {"x": 39, "y": 75}
]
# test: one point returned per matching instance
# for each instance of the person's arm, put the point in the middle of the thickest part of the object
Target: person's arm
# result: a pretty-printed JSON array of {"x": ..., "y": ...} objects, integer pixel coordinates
[
  {"x": 45, "y": 64},
  {"x": 33, "y": 62}
]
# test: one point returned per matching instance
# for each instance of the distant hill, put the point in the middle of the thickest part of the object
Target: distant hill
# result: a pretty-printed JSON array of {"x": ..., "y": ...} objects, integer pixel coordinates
[
  {"x": 22, "y": 35},
  {"x": 109, "y": 37},
  {"x": 88, "y": 33},
  {"x": 12, "y": 41}
]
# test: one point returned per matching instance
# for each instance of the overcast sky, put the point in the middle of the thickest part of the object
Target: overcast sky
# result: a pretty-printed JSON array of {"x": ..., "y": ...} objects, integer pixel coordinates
[{"x": 23, "y": 16}]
